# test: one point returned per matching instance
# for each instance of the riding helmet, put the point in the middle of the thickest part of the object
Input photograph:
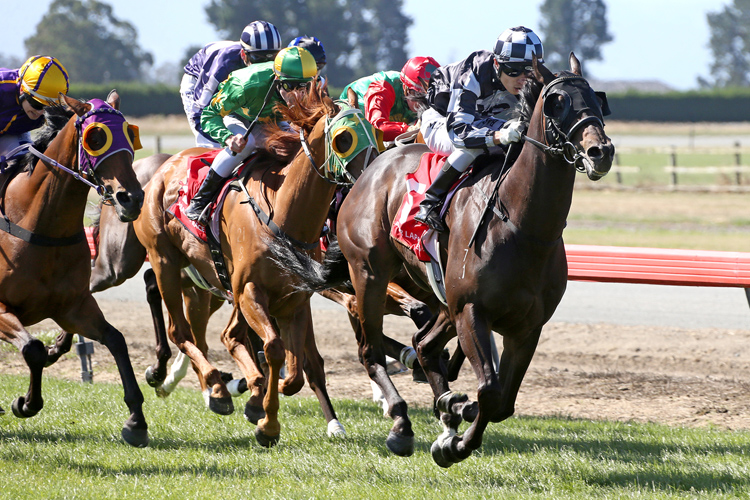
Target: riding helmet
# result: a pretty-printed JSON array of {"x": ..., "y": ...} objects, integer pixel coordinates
[
  {"x": 417, "y": 71},
  {"x": 261, "y": 41},
  {"x": 516, "y": 45},
  {"x": 43, "y": 78},
  {"x": 315, "y": 47},
  {"x": 295, "y": 64}
]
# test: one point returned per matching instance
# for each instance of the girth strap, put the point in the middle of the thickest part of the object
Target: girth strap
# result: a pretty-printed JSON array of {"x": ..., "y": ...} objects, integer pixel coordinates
[{"x": 38, "y": 239}]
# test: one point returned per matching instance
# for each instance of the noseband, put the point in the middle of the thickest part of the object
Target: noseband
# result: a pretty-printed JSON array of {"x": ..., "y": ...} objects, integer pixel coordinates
[{"x": 574, "y": 98}]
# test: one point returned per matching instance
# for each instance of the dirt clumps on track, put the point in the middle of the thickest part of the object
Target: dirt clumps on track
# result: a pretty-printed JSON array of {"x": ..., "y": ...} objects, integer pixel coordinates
[{"x": 667, "y": 375}]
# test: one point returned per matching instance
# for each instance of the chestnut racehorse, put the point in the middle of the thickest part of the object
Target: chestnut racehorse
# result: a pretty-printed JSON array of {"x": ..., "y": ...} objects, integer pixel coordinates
[
  {"x": 44, "y": 271},
  {"x": 296, "y": 197},
  {"x": 505, "y": 266}
]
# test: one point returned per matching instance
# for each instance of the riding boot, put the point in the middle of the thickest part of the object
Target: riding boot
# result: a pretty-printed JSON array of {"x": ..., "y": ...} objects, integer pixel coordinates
[
  {"x": 434, "y": 197},
  {"x": 205, "y": 195}
]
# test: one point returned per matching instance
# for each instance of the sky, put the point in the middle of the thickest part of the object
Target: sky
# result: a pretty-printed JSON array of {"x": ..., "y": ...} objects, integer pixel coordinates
[{"x": 663, "y": 40}]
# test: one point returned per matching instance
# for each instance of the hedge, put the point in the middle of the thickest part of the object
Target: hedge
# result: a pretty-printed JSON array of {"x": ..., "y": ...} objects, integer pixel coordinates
[{"x": 727, "y": 105}]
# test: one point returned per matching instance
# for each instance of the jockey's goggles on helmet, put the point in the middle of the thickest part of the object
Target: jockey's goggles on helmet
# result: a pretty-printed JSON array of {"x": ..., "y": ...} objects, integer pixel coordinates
[
  {"x": 32, "y": 102},
  {"x": 514, "y": 70},
  {"x": 292, "y": 85}
]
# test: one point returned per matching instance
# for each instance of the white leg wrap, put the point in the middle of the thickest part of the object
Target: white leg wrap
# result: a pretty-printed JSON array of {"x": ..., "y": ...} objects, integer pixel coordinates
[
  {"x": 206, "y": 396},
  {"x": 177, "y": 372},
  {"x": 335, "y": 429},
  {"x": 233, "y": 387},
  {"x": 408, "y": 356}
]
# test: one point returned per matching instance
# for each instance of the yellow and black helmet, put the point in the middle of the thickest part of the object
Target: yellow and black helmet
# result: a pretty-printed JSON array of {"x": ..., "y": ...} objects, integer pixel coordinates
[{"x": 43, "y": 78}]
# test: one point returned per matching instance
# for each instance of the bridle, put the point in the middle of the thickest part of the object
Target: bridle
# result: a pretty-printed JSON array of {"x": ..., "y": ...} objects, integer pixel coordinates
[{"x": 556, "y": 141}]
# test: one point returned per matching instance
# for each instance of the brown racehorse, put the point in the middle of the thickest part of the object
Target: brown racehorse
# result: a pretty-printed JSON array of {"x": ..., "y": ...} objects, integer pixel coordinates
[
  {"x": 265, "y": 300},
  {"x": 46, "y": 259},
  {"x": 508, "y": 279}
]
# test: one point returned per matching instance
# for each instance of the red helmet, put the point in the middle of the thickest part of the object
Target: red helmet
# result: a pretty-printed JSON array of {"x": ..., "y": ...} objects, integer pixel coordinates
[{"x": 416, "y": 72}]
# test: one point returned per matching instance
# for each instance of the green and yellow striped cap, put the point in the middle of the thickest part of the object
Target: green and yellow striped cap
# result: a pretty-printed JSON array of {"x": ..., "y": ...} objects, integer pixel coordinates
[{"x": 295, "y": 63}]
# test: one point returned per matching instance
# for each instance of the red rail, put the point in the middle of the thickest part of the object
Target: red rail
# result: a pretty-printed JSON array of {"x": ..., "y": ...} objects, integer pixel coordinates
[
  {"x": 644, "y": 265},
  {"x": 658, "y": 266}
]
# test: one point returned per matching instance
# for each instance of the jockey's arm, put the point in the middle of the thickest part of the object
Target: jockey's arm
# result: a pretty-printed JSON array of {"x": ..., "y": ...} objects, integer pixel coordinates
[{"x": 379, "y": 101}]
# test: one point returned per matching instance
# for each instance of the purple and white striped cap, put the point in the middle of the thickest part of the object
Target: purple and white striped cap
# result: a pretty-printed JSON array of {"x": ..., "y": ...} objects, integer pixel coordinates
[{"x": 260, "y": 35}]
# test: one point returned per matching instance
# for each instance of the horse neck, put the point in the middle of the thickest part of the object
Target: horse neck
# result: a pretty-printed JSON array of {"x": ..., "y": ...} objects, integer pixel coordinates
[
  {"x": 538, "y": 190},
  {"x": 303, "y": 198},
  {"x": 52, "y": 201}
]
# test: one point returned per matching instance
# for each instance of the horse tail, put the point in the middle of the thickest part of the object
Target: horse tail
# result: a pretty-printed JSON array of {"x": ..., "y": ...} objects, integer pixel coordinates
[{"x": 314, "y": 276}]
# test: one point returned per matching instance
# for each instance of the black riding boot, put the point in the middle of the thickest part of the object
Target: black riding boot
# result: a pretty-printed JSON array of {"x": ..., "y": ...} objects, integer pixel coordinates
[
  {"x": 205, "y": 195},
  {"x": 429, "y": 208}
]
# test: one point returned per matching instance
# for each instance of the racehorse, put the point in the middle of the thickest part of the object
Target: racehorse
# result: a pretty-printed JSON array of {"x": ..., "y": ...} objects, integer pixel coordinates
[
  {"x": 297, "y": 197},
  {"x": 46, "y": 265},
  {"x": 505, "y": 272}
]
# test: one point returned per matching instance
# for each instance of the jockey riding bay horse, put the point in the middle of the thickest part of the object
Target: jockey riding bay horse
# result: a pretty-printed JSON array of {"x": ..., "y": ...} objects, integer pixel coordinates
[
  {"x": 46, "y": 260},
  {"x": 505, "y": 267},
  {"x": 285, "y": 195}
]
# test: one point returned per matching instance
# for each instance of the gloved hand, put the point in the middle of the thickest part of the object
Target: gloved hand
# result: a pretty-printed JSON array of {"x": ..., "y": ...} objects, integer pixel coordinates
[{"x": 511, "y": 132}]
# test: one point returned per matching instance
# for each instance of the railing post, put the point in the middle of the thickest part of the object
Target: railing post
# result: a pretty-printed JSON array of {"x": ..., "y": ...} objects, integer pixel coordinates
[
  {"x": 158, "y": 144},
  {"x": 618, "y": 173},
  {"x": 738, "y": 163},
  {"x": 673, "y": 164}
]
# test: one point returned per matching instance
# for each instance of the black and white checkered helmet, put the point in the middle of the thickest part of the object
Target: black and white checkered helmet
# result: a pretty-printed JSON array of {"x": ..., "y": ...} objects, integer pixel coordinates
[
  {"x": 516, "y": 45},
  {"x": 260, "y": 36}
]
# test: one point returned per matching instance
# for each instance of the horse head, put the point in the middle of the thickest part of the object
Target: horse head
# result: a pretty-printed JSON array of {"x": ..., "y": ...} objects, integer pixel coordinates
[
  {"x": 105, "y": 154},
  {"x": 573, "y": 119}
]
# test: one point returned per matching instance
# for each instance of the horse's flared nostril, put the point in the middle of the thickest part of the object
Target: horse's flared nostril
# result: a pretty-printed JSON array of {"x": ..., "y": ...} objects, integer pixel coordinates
[{"x": 130, "y": 201}]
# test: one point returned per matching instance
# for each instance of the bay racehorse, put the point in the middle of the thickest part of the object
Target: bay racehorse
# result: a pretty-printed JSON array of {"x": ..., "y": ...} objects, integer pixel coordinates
[
  {"x": 294, "y": 188},
  {"x": 505, "y": 266},
  {"x": 46, "y": 263}
]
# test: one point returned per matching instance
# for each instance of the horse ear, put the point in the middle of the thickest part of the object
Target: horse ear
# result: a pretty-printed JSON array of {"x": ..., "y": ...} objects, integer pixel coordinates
[
  {"x": 541, "y": 73},
  {"x": 113, "y": 99},
  {"x": 575, "y": 64},
  {"x": 71, "y": 103},
  {"x": 351, "y": 96}
]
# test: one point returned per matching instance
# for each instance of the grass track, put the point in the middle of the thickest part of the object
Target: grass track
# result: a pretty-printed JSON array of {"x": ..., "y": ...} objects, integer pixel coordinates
[{"x": 72, "y": 449}]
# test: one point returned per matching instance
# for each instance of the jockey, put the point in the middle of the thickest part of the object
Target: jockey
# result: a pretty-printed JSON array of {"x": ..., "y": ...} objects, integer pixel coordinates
[
  {"x": 245, "y": 101},
  {"x": 389, "y": 98},
  {"x": 260, "y": 42},
  {"x": 24, "y": 93},
  {"x": 471, "y": 106}
]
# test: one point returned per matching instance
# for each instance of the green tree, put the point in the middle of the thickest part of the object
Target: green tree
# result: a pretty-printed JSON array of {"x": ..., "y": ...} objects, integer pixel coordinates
[
  {"x": 579, "y": 26},
  {"x": 360, "y": 36},
  {"x": 730, "y": 46},
  {"x": 92, "y": 44}
]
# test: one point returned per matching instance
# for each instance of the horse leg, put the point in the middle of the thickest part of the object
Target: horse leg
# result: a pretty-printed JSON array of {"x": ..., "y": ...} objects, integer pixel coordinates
[
  {"x": 62, "y": 345},
  {"x": 235, "y": 339},
  {"x": 253, "y": 302},
  {"x": 120, "y": 255},
  {"x": 89, "y": 321},
  {"x": 371, "y": 293},
  {"x": 314, "y": 367},
  {"x": 168, "y": 279},
  {"x": 157, "y": 373},
  {"x": 34, "y": 353}
]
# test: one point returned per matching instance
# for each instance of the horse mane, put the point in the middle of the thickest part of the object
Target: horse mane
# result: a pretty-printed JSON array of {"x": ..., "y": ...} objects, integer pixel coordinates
[
  {"x": 529, "y": 96},
  {"x": 283, "y": 145},
  {"x": 55, "y": 119}
]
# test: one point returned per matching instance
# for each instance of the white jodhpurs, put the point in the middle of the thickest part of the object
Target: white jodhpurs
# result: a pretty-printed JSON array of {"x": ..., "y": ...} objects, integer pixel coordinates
[{"x": 225, "y": 163}]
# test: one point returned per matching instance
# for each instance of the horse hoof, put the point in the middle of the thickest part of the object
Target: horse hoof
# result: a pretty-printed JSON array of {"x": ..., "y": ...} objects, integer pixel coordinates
[
  {"x": 18, "y": 411},
  {"x": 437, "y": 455},
  {"x": 137, "y": 438},
  {"x": 254, "y": 413},
  {"x": 264, "y": 440},
  {"x": 151, "y": 379},
  {"x": 222, "y": 406},
  {"x": 403, "y": 446},
  {"x": 335, "y": 429},
  {"x": 470, "y": 412},
  {"x": 225, "y": 376}
]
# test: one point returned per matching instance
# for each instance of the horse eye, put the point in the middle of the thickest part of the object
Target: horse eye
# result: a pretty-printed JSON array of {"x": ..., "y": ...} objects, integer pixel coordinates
[
  {"x": 96, "y": 138},
  {"x": 342, "y": 142}
]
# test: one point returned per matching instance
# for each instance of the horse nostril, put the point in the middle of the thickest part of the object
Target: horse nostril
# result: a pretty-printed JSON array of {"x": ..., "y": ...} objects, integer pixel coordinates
[
  {"x": 594, "y": 152},
  {"x": 126, "y": 199}
]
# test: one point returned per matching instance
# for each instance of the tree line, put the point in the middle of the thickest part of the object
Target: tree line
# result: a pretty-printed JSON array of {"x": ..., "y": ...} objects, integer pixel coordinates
[{"x": 370, "y": 35}]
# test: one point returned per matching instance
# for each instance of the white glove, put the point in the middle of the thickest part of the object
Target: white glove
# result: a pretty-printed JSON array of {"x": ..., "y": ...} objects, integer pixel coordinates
[{"x": 511, "y": 132}]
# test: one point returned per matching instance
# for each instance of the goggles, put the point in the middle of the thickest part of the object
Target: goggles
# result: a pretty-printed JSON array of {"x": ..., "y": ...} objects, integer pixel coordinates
[
  {"x": 292, "y": 85},
  {"x": 32, "y": 102},
  {"x": 515, "y": 70}
]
